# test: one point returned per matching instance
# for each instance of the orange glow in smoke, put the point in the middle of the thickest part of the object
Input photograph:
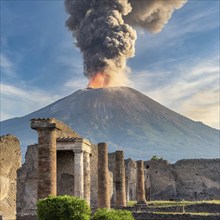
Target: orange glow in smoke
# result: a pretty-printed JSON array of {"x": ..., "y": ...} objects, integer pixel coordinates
[{"x": 99, "y": 80}]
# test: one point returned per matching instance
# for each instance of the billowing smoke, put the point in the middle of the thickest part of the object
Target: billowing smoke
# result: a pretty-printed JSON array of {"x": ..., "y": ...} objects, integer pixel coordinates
[
  {"x": 152, "y": 14},
  {"x": 104, "y": 35}
]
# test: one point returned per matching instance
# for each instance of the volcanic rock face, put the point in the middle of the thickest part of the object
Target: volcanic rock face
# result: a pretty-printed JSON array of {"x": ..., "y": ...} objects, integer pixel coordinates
[
  {"x": 10, "y": 161},
  {"x": 126, "y": 120}
]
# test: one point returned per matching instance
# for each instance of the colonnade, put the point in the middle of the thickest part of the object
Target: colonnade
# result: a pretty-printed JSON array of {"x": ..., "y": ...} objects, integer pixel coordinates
[{"x": 49, "y": 144}]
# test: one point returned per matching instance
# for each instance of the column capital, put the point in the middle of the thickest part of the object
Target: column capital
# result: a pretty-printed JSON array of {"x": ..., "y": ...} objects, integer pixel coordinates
[
  {"x": 74, "y": 144},
  {"x": 43, "y": 123}
]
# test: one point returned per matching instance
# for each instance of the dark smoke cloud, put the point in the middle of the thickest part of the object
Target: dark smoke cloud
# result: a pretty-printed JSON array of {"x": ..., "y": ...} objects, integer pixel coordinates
[
  {"x": 103, "y": 37},
  {"x": 152, "y": 14}
]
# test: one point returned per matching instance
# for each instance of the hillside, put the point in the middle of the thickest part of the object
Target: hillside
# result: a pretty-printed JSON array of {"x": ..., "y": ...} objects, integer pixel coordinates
[{"x": 126, "y": 119}]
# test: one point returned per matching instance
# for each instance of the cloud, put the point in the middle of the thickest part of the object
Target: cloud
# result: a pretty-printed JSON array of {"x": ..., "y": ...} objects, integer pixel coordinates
[
  {"x": 19, "y": 101},
  {"x": 5, "y": 62},
  {"x": 193, "y": 92},
  {"x": 180, "y": 27},
  {"x": 7, "y": 66},
  {"x": 76, "y": 84}
]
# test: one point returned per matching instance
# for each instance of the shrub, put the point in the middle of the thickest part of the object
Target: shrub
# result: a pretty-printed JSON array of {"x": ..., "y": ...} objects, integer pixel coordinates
[
  {"x": 105, "y": 214},
  {"x": 62, "y": 208}
]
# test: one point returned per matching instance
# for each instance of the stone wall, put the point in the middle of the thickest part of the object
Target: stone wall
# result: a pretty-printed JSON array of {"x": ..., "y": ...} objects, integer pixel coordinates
[
  {"x": 198, "y": 179},
  {"x": 160, "y": 180},
  {"x": 10, "y": 161},
  {"x": 195, "y": 179},
  {"x": 27, "y": 183},
  {"x": 27, "y": 178}
]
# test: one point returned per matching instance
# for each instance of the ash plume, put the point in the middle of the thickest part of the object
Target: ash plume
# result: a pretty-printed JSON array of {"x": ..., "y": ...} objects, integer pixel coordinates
[
  {"x": 104, "y": 35},
  {"x": 152, "y": 14}
]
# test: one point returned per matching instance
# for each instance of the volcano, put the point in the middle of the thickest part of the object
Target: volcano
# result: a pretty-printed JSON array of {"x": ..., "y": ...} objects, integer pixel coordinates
[{"x": 127, "y": 120}]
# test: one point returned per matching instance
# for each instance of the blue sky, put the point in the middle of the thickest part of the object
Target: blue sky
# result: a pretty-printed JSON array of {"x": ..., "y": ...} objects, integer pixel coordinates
[{"x": 178, "y": 67}]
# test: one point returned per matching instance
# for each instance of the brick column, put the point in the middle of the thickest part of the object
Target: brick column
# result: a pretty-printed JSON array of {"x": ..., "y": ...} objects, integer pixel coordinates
[
  {"x": 78, "y": 174},
  {"x": 47, "y": 161},
  {"x": 103, "y": 177},
  {"x": 140, "y": 188},
  {"x": 87, "y": 177},
  {"x": 119, "y": 179}
]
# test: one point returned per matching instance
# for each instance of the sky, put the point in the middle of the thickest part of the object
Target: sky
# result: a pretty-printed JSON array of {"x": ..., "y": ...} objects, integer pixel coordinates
[{"x": 178, "y": 67}]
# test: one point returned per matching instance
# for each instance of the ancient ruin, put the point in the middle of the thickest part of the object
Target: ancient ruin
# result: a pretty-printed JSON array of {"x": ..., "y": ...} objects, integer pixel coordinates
[
  {"x": 62, "y": 162},
  {"x": 10, "y": 162}
]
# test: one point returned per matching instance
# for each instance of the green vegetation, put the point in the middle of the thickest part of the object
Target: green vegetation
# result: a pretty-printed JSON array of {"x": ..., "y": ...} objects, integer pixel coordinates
[
  {"x": 161, "y": 203},
  {"x": 72, "y": 208},
  {"x": 180, "y": 203},
  {"x": 186, "y": 213},
  {"x": 131, "y": 203},
  {"x": 156, "y": 158},
  {"x": 105, "y": 214},
  {"x": 63, "y": 208}
]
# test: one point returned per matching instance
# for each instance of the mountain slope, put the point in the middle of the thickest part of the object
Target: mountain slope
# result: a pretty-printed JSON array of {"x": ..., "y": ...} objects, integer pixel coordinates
[{"x": 128, "y": 120}]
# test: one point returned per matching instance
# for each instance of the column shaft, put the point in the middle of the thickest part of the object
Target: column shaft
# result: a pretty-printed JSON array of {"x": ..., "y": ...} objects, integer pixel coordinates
[
  {"x": 46, "y": 162},
  {"x": 140, "y": 187},
  {"x": 87, "y": 177},
  {"x": 78, "y": 174},
  {"x": 103, "y": 177},
  {"x": 120, "y": 179}
]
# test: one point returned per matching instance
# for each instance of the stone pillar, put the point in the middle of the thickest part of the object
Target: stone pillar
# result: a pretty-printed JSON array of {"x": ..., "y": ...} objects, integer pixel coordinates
[
  {"x": 103, "y": 177},
  {"x": 47, "y": 131},
  {"x": 119, "y": 179},
  {"x": 78, "y": 174},
  {"x": 47, "y": 181},
  {"x": 87, "y": 177},
  {"x": 140, "y": 187}
]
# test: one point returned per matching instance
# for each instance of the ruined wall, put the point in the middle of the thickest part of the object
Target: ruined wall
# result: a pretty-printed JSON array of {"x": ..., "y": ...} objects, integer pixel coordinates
[
  {"x": 10, "y": 161},
  {"x": 94, "y": 175},
  {"x": 65, "y": 173},
  {"x": 27, "y": 178},
  {"x": 130, "y": 177},
  {"x": 27, "y": 183},
  {"x": 195, "y": 179},
  {"x": 160, "y": 180},
  {"x": 111, "y": 167},
  {"x": 198, "y": 179},
  {"x": 65, "y": 131}
]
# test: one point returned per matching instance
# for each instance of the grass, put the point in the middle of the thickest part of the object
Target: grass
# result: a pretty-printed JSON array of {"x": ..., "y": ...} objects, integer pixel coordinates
[
  {"x": 181, "y": 203},
  {"x": 187, "y": 213},
  {"x": 175, "y": 203}
]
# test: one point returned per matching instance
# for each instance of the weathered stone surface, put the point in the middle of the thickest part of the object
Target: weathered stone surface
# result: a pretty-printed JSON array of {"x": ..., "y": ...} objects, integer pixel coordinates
[
  {"x": 131, "y": 178},
  {"x": 94, "y": 176},
  {"x": 195, "y": 179},
  {"x": 160, "y": 180},
  {"x": 65, "y": 173},
  {"x": 198, "y": 179},
  {"x": 27, "y": 178},
  {"x": 49, "y": 129},
  {"x": 27, "y": 183},
  {"x": 78, "y": 174},
  {"x": 47, "y": 183},
  {"x": 103, "y": 177},
  {"x": 140, "y": 187},
  {"x": 119, "y": 179},
  {"x": 87, "y": 177},
  {"x": 10, "y": 161}
]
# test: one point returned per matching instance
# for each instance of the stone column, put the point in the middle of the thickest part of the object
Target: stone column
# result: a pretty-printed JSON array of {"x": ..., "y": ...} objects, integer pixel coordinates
[
  {"x": 119, "y": 179},
  {"x": 103, "y": 177},
  {"x": 47, "y": 166},
  {"x": 140, "y": 187},
  {"x": 47, "y": 162},
  {"x": 78, "y": 174},
  {"x": 87, "y": 177}
]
